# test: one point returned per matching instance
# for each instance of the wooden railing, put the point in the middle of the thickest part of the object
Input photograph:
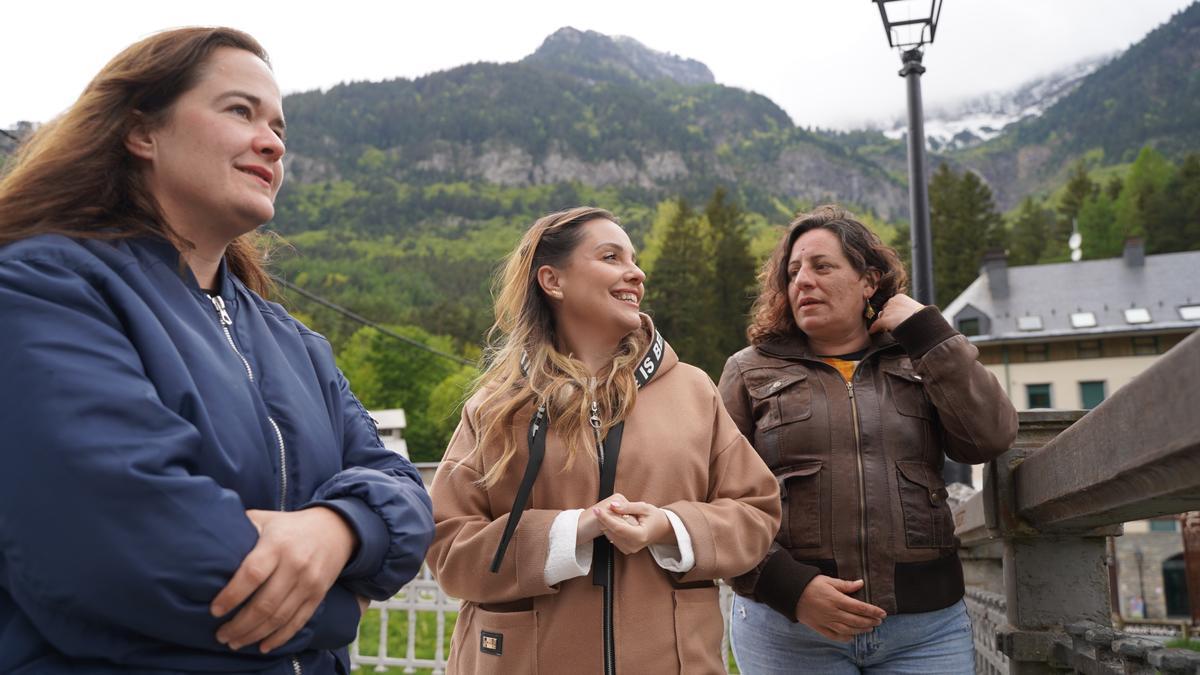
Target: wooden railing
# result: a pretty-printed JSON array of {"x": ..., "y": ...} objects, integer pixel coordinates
[{"x": 1034, "y": 537}]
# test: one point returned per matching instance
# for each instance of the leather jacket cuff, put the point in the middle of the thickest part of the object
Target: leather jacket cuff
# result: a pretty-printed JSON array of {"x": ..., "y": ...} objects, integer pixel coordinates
[
  {"x": 782, "y": 581},
  {"x": 923, "y": 331}
]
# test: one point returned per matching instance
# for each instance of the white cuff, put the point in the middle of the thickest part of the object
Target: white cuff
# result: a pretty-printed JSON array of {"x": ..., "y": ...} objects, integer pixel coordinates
[
  {"x": 679, "y": 558},
  {"x": 567, "y": 559}
]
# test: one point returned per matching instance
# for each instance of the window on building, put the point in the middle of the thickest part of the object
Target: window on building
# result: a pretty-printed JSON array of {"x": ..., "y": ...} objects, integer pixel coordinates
[
  {"x": 1145, "y": 345},
  {"x": 1137, "y": 315},
  {"x": 1091, "y": 394},
  {"x": 1088, "y": 349},
  {"x": 1036, "y": 352},
  {"x": 1164, "y": 525},
  {"x": 1190, "y": 312},
  {"x": 1083, "y": 320},
  {"x": 1038, "y": 395},
  {"x": 969, "y": 326},
  {"x": 1029, "y": 323}
]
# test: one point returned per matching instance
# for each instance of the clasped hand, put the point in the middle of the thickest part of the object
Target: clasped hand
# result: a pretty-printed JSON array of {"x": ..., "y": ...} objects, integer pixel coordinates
[
  {"x": 630, "y": 526},
  {"x": 298, "y": 557}
]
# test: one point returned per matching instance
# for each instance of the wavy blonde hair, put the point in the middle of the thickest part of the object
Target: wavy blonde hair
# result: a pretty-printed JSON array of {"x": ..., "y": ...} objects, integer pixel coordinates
[{"x": 525, "y": 331}]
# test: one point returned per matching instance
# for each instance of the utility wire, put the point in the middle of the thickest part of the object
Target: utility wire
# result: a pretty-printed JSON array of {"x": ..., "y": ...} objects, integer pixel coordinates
[
  {"x": 367, "y": 322},
  {"x": 10, "y": 135}
]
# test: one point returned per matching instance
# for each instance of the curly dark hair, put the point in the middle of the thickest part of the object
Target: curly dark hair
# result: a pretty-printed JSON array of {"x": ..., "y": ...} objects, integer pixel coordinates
[{"x": 772, "y": 313}]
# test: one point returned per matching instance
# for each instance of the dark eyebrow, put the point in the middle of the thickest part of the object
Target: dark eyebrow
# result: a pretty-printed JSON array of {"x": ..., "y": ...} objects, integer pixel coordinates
[
  {"x": 254, "y": 101},
  {"x": 816, "y": 257}
]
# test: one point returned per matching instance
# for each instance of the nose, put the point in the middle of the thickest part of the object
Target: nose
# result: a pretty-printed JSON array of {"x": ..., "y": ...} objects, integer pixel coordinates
[
  {"x": 268, "y": 144},
  {"x": 801, "y": 278},
  {"x": 635, "y": 275}
]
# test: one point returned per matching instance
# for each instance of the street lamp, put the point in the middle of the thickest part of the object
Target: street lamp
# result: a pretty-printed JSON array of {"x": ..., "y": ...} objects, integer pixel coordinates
[{"x": 910, "y": 25}]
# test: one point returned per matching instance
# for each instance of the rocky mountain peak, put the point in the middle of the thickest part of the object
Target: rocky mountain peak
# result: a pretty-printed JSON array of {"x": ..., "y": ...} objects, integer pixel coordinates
[{"x": 595, "y": 56}]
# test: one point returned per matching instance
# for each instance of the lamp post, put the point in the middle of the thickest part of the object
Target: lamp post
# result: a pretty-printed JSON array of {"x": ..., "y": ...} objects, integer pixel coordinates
[{"x": 910, "y": 25}]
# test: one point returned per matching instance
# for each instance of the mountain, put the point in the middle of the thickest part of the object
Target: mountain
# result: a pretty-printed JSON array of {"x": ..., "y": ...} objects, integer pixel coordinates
[
  {"x": 584, "y": 108},
  {"x": 592, "y": 55},
  {"x": 968, "y": 123},
  {"x": 1149, "y": 95},
  {"x": 11, "y": 138}
]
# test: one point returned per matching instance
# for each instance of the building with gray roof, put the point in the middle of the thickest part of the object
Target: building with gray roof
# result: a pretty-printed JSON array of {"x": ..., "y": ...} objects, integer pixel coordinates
[{"x": 1067, "y": 335}]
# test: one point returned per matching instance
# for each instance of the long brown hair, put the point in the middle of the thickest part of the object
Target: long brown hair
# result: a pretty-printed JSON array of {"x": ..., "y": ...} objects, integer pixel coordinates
[
  {"x": 525, "y": 331},
  {"x": 772, "y": 312},
  {"x": 75, "y": 177}
]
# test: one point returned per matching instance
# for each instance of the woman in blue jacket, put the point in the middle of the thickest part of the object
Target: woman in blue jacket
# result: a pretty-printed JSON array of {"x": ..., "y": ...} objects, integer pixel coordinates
[{"x": 186, "y": 482}]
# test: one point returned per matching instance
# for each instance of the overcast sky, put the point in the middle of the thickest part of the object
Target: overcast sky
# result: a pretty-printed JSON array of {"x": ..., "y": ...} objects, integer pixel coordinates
[{"x": 824, "y": 61}]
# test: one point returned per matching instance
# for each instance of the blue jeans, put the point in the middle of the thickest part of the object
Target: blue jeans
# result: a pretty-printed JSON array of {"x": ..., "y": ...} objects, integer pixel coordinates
[{"x": 930, "y": 643}]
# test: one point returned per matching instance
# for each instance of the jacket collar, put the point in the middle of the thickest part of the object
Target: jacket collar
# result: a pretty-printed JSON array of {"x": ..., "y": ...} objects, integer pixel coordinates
[
  {"x": 157, "y": 250},
  {"x": 795, "y": 346}
]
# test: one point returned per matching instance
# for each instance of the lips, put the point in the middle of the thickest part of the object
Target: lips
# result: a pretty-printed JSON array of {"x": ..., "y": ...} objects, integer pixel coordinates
[
  {"x": 630, "y": 297},
  {"x": 808, "y": 302},
  {"x": 261, "y": 172}
]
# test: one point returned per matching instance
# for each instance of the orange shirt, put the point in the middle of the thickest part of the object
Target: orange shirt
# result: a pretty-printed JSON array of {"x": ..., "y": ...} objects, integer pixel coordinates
[{"x": 846, "y": 368}]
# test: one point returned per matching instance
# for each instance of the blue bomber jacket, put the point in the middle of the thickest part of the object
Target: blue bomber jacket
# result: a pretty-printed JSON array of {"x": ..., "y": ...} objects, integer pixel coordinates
[{"x": 139, "y": 419}]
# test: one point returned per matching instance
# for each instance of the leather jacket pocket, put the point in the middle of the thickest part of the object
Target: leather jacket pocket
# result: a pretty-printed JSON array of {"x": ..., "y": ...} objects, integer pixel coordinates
[
  {"x": 497, "y": 642},
  {"x": 800, "y": 491},
  {"x": 779, "y": 397},
  {"x": 907, "y": 391},
  {"x": 927, "y": 520},
  {"x": 698, "y": 629}
]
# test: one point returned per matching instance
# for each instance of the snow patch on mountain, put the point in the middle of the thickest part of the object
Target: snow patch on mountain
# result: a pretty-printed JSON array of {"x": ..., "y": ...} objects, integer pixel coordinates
[{"x": 969, "y": 122}]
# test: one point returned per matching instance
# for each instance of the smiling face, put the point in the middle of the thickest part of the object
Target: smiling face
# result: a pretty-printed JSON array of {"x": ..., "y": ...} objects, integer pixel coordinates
[
  {"x": 827, "y": 295},
  {"x": 215, "y": 164},
  {"x": 599, "y": 290}
]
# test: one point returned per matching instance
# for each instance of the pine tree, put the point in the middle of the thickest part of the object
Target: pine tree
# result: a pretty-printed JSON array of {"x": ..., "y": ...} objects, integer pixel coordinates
[
  {"x": 1097, "y": 220},
  {"x": 902, "y": 242},
  {"x": 677, "y": 294},
  {"x": 733, "y": 279},
  {"x": 1144, "y": 186},
  {"x": 1079, "y": 188},
  {"x": 1174, "y": 224},
  {"x": 945, "y": 228},
  {"x": 1113, "y": 187},
  {"x": 1030, "y": 230},
  {"x": 965, "y": 224}
]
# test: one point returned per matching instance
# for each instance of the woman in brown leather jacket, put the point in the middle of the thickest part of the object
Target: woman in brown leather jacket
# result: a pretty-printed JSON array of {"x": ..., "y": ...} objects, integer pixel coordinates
[{"x": 852, "y": 392}]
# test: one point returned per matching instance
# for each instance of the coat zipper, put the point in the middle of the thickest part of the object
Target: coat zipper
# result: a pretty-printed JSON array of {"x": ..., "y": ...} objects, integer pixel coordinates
[
  {"x": 610, "y": 667},
  {"x": 283, "y": 481},
  {"x": 226, "y": 322},
  {"x": 223, "y": 316},
  {"x": 862, "y": 493}
]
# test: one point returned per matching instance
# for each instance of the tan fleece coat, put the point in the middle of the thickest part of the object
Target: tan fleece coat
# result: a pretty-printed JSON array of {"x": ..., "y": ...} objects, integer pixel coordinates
[{"x": 680, "y": 451}]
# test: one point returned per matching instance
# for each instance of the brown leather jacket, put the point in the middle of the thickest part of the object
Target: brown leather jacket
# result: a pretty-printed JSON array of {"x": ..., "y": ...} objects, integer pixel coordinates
[{"x": 859, "y": 466}]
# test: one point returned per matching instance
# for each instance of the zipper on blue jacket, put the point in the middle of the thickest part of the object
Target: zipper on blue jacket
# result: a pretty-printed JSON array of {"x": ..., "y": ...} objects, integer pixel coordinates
[
  {"x": 226, "y": 322},
  {"x": 223, "y": 316}
]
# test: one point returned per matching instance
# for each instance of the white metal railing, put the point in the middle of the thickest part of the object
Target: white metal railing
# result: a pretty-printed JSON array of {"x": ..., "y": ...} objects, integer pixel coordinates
[{"x": 422, "y": 596}]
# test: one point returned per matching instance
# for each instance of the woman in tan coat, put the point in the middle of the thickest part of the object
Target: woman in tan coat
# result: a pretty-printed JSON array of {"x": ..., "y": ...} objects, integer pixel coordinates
[{"x": 595, "y": 486}]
